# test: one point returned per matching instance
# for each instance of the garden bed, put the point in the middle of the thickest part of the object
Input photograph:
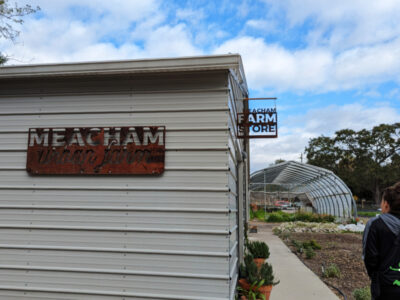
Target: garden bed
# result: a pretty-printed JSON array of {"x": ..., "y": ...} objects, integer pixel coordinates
[{"x": 342, "y": 250}]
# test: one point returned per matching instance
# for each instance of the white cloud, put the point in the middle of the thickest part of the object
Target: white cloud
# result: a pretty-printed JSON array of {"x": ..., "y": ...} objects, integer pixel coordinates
[
  {"x": 98, "y": 30},
  {"x": 341, "y": 23},
  {"x": 329, "y": 119},
  {"x": 190, "y": 15},
  {"x": 314, "y": 69},
  {"x": 272, "y": 66},
  {"x": 170, "y": 41},
  {"x": 262, "y": 25},
  {"x": 296, "y": 132}
]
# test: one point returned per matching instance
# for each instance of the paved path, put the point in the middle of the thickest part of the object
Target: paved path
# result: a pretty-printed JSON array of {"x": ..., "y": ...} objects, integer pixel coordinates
[{"x": 297, "y": 281}]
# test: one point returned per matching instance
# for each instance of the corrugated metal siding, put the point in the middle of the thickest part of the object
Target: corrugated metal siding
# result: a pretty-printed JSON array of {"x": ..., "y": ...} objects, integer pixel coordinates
[
  {"x": 119, "y": 237},
  {"x": 236, "y": 147}
]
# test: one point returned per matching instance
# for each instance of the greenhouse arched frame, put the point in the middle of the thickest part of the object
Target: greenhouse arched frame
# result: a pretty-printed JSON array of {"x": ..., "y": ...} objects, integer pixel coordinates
[{"x": 327, "y": 193}]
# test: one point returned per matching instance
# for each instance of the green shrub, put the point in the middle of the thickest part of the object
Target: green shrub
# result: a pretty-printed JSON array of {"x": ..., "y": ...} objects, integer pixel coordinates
[
  {"x": 251, "y": 215},
  {"x": 258, "y": 249},
  {"x": 253, "y": 275},
  {"x": 310, "y": 253},
  {"x": 249, "y": 269},
  {"x": 303, "y": 216},
  {"x": 299, "y": 246},
  {"x": 332, "y": 271},
  {"x": 328, "y": 218},
  {"x": 368, "y": 213},
  {"x": 280, "y": 216},
  {"x": 276, "y": 231},
  {"x": 362, "y": 293},
  {"x": 260, "y": 214},
  {"x": 313, "y": 244},
  {"x": 266, "y": 273},
  {"x": 275, "y": 217}
]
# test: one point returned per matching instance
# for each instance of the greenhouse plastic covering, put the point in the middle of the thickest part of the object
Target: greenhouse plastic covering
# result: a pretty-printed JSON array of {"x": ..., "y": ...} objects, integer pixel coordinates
[{"x": 326, "y": 191}]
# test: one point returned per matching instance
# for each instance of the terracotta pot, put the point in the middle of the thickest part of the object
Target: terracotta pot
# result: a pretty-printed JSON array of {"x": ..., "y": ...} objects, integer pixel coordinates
[
  {"x": 259, "y": 262},
  {"x": 254, "y": 207},
  {"x": 266, "y": 291},
  {"x": 244, "y": 284},
  {"x": 253, "y": 229}
]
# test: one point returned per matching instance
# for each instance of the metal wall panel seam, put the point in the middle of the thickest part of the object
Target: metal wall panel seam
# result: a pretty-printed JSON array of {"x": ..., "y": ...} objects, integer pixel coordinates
[
  {"x": 217, "y": 169},
  {"x": 234, "y": 268},
  {"x": 241, "y": 85},
  {"x": 111, "y": 92},
  {"x": 114, "y": 208},
  {"x": 233, "y": 156},
  {"x": 200, "y": 149},
  {"x": 113, "y": 112},
  {"x": 176, "y": 129},
  {"x": 116, "y": 272},
  {"x": 235, "y": 141},
  {"x": 233, "y": 288},
  {"x": 106, "y": 293},
  {"x": 232, "y": 230},
  {"x": 78, "y": 188},
  {"x": 233, "y": 249},
  {"x": 115, "y": 250},
  {"x": 230, "y": 173},
  {"x": 117, "y": 229}
]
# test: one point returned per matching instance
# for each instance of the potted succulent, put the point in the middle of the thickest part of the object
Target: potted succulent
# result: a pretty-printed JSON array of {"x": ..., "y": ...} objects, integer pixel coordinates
[
  {"x": 266, "y": 274},
  {"x": 259, "y": 280},
  {"x": 252, "y": 293},
  {"x": 259, "y": 251}
]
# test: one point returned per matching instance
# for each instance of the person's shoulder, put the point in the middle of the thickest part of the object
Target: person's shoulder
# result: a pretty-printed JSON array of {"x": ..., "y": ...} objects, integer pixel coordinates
[
  {"x": 373, "y": 223},
  {"x": 373, "y": 220}
]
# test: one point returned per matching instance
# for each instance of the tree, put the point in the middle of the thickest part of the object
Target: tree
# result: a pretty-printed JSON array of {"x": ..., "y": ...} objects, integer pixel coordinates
[
  {"x": 9, "y": 17},
  {"x": 278, "y": 161},
  {"x": 367, "y": 160}
]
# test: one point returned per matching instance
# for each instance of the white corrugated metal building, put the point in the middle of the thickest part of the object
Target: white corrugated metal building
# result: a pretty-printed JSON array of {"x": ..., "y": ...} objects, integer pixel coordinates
[{"x": 174, "y": 236}]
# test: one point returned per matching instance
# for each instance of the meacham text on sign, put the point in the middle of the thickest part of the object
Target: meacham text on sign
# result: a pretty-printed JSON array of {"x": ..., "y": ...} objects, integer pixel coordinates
[{"x": 95, "y": 150}]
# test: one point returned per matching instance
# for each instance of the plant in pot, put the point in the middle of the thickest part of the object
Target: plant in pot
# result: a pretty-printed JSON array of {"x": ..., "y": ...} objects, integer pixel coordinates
[
  {"x": 259, "y": 251},
  {"x": 266, "y": 274},
  {"x": 259, "y": 280},
  {"x": 252, "y": 293}
]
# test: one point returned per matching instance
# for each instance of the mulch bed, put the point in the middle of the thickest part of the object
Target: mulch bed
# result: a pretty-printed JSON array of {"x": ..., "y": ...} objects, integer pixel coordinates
[{"x": 344, "y": 250}]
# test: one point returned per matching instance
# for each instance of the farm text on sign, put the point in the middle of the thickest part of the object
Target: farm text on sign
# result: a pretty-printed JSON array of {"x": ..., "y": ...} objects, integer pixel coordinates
[
  {"x": 257, "y": 123},
  {"x": 92, "y": 151}
]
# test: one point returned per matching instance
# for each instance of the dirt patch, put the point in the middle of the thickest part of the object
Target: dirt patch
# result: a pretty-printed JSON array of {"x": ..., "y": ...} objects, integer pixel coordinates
[{"x": 344, "y": 250}]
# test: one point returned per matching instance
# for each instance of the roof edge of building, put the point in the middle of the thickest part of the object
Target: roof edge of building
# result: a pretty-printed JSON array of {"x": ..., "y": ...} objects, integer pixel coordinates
[{"x": 190, "y": 63}]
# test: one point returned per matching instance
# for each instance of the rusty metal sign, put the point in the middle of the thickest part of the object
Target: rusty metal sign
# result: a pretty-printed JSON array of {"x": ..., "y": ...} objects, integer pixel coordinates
[
  {"x": 96, "y": 151},
  {"x": 258, "y": 122}
]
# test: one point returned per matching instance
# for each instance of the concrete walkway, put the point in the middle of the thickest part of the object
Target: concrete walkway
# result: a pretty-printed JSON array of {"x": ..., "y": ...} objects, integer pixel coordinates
[{"x": 297, "y": 281}]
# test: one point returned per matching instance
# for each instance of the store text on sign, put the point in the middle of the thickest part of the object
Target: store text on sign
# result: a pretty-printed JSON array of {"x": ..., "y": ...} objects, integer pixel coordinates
[
  {"x": 96, "y": 150},
  {"x": 257, "y": 123}
]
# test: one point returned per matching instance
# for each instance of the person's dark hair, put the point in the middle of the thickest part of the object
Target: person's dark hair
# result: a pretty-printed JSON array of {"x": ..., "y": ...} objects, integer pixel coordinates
[{"x": 392, "y": 196}]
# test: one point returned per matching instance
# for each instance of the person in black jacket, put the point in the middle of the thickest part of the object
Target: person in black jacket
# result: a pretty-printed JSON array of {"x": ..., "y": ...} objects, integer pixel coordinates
[{"x": 378, "y": 240}]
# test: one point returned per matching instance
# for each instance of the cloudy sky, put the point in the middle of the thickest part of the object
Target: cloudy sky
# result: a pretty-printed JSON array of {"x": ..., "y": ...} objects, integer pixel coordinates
[{"x": 332, "y": 64}]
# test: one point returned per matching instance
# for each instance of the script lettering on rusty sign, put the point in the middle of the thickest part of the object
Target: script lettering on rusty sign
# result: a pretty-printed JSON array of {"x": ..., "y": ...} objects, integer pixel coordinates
[{"x": 96, "y": 150}]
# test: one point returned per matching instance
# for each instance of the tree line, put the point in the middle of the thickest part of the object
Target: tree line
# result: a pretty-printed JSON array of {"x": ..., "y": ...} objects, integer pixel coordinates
[{"x": 366, "y": 160}]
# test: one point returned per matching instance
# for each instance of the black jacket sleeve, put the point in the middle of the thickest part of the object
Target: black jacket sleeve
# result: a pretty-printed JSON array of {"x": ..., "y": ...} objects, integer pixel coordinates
[{"x": 371, "y": 248}]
